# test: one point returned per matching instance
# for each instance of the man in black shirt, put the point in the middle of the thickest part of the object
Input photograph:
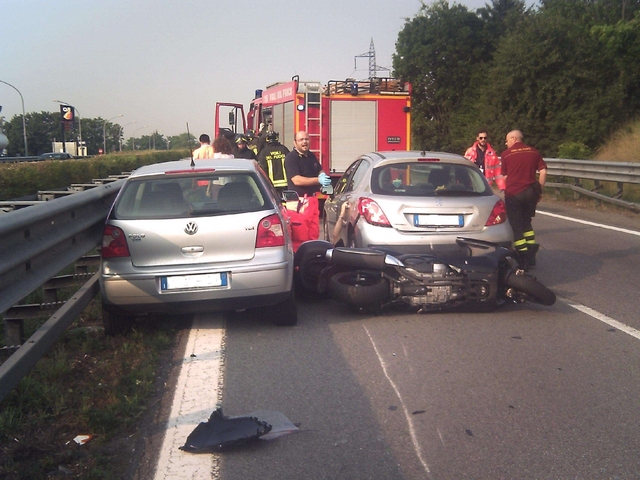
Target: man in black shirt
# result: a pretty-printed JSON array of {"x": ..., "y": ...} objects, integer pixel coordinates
[{"x": 304, "y": 172}]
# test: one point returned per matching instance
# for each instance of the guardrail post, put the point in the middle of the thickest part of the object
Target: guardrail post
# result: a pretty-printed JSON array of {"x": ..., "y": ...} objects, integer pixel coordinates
[{"x": 13, "y": 332}]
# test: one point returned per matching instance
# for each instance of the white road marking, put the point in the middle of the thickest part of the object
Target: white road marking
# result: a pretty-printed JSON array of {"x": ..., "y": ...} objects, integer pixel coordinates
[
  {"x": 412, "y": 432},
  {"x": 586, "y": 222},
  {"x": 195, "y": 398},
  {"x": 603, "y": 318}
]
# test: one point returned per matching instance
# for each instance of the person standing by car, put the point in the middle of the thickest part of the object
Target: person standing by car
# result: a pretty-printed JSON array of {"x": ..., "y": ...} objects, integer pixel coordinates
[
  {"x": 205, "y": 150},
  {"x": 520, "y": 162},
  {"x": 484, "y": 156},
  {"x": 271, "y": 159},
  {"x": 304, "y": 172},
  {"x": 241, "y": 150}
]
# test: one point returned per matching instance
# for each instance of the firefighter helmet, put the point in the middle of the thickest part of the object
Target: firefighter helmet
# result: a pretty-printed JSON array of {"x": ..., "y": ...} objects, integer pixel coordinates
[
  {"x": 242, "y": 139},
  {"x": 272, "y": 137}
]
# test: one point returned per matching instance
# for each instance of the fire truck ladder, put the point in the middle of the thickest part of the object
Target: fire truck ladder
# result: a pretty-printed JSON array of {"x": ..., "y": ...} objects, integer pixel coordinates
[{"x": 313, "y": 124}]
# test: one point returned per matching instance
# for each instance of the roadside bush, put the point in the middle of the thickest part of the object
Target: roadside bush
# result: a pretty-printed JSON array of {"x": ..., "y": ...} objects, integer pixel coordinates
[
  {"x": 574, "y": 150},
  {"x": 23, "y": 179}
]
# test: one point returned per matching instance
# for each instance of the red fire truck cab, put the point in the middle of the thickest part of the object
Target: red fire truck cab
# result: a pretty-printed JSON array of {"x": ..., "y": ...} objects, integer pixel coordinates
[{"x": 344, "y": 118}]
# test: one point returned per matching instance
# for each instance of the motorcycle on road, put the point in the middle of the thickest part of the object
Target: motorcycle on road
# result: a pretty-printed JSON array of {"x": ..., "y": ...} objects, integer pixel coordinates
[{"x": 372, "y": 279}]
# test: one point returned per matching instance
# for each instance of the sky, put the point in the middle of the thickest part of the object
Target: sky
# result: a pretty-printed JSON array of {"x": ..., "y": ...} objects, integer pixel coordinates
[{"x": 164, "y": 63}]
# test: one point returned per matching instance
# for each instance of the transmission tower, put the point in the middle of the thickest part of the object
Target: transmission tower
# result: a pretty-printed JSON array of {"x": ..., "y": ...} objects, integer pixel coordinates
[{"x": 371, "y": 55}]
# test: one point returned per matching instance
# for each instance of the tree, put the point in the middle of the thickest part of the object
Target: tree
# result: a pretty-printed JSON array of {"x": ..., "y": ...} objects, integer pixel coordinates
[
  {"x": 553, "y": 79},
  {"x": 436, "y": 51},
  {"x": 182, "y": 141}
]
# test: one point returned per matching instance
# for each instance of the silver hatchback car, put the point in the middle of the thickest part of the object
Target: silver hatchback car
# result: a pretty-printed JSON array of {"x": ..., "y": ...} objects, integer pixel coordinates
[
  {"x": 415, "y": 202},
  {"x": 185, "y": 237}
]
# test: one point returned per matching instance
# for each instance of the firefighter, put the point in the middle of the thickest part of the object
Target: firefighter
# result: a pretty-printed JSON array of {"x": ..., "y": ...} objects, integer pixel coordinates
[
  {"x": 520, "y": 162},
  {"x": 271, "y": 159},
  {"x": 241, "y": 150}
]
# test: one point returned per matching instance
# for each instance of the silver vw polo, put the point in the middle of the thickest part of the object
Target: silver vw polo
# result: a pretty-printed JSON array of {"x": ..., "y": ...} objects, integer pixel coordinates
[
  {"x": 415, "y": 202},
  {"x": 190, "y": 236}
]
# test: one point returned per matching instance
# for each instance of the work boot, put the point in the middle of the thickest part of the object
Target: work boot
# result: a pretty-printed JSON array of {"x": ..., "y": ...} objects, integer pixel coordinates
[
  {"x": 532, "y": 249},
  {"x": 523, "y": 259}
]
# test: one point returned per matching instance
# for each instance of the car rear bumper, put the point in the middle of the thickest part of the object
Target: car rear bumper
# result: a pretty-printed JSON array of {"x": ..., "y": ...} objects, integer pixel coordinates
[
  {"x": 432, "y": 243},
  {"x": 141, "y": 293}
]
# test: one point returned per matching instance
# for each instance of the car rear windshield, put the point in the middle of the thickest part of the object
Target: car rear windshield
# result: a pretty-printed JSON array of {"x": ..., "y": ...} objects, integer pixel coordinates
[
  {"x": 428, "y": 180},
  {"x": 175, "y": 196}
]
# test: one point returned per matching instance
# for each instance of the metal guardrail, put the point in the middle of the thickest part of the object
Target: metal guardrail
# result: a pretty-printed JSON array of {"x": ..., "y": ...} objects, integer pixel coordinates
[
  {"x": 38, "y": 242},
  {"x": 618, "y": 172}
]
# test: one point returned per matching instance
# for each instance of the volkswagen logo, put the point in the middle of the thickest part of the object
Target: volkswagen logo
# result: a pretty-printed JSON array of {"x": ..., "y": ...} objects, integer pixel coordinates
[{"x": 191, "y": 228}]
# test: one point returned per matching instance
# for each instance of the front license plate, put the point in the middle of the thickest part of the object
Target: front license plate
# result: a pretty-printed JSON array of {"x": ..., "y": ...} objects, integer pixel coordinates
[
  {"x": 185, "y": 282},
  {"x": 438, "y": 220}
]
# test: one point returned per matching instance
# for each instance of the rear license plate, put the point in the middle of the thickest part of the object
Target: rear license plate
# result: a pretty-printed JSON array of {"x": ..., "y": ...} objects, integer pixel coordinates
[
  {"x": 185, "y": 282},
  {"x": 438, "y": 220}
]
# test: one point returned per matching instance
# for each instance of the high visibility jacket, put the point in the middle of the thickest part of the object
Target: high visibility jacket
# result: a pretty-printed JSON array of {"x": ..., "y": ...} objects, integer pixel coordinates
[
  {"x": 271, "y": 159},
  {"x": 491, "y": 164}
]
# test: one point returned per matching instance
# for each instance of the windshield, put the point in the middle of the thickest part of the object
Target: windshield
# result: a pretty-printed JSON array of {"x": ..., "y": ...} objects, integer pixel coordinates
[
  {"x": 428, "y": 180},
  {"x": 194, "y": 195}
]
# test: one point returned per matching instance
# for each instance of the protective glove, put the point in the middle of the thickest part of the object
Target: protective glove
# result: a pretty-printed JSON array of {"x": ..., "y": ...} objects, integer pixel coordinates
[{"x": 324, "y": 179}]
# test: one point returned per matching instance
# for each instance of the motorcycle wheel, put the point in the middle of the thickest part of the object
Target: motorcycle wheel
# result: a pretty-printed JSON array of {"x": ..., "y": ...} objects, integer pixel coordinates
[
  {"x": 359, "y": 289},
  {"x": 309, "y": 261},
  {"x": 530, "y": 286}
]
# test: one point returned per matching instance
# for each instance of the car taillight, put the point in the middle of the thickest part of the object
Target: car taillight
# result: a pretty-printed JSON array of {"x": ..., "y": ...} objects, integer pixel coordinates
[
  {"x": 372, "y": 212},
  {"x": 498, "y": 214},
  {"x": 270, "y": 232},
  {"x": 114, "y": 242}
]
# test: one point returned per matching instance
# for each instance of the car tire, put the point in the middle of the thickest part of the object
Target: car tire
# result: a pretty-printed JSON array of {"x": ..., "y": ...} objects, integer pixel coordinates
[
  {"x": 115, "y": 323},
  {"x": 359, "y": 289},
  {"x": 535, "y": 291},
  {"x": 286, "y": 313}
]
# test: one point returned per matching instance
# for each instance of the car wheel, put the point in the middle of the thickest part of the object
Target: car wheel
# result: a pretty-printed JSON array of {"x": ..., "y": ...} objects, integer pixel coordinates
[
  {"x": 359, "y": 289},
  {"x": 285, "y": 314},
  {"x": 115, "y": 323}
]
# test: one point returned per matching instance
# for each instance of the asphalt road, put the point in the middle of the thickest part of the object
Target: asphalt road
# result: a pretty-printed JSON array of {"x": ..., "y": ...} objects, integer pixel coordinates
[{"x": 525, "y": 392}]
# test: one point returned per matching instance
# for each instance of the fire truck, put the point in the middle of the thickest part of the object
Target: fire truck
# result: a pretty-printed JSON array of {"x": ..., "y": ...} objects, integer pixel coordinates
[{"x": 344, "y": 118}]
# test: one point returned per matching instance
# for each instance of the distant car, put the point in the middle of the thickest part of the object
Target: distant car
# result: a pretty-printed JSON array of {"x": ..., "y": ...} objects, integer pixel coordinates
[
  {"x": 55, "y": 156},
  {"x": 182, "y": 238},
  {"x": 416, "y": 202}
]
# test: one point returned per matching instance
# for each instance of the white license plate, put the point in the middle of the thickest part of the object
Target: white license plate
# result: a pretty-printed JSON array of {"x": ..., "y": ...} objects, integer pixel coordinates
[
  {"x": 438, "y": 221},
  {"x": 182, "y": 282}
]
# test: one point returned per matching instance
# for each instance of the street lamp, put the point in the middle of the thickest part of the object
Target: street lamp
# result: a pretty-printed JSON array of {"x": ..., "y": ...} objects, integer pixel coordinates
[
  {"x": 104, "y": 132},
  {"x": 133, "y": 137},
  {"x": 79, "y": 121},
  {"x": 122, "y": 128},
  {"x": 24, "y": 123}
]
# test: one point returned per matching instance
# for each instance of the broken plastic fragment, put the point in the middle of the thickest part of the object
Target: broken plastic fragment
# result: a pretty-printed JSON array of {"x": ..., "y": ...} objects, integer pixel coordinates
[
  {"x": 82, "y": 439},
  {"x": 280, "y": 424},
  {"x": 221, "y": 432}
]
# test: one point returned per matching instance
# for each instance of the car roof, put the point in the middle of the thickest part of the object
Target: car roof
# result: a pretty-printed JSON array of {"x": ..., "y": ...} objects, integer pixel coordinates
[
  {"x": 184, "y": 166},
  {"x": 415, "y": 155}
]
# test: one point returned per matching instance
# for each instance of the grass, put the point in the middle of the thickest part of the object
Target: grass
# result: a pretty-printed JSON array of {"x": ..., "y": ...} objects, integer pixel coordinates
[
  {"x": 87, "y": 384},
  {"x": 623, "y": 146}
]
